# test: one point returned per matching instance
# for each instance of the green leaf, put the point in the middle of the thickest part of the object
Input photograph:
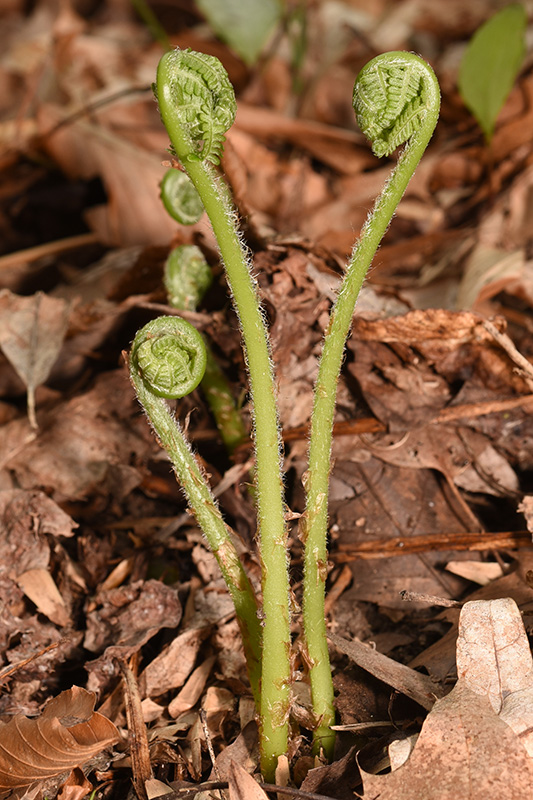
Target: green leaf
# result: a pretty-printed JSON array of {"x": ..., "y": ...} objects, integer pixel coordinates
[
  {"x": 245, "y": 25},
  {"x": 491, "y": 64}
]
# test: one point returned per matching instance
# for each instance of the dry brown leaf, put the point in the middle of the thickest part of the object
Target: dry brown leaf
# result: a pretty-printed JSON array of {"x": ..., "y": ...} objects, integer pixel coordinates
[
  {"x": 32, "y": 330},
  {"x": 75, "y": 787},
  {"x": 372, "y": 500},
  {"x": 171, "y": 668},
  {"x": 134, "y": 214},
  {"x": 474, "y": 743},
  {"x": 66, "y": 735},
  {"x": 25, "y": 518},
  {"x": 494, "y": 660},
  {"x": 192, "y": 690},
  {"x": 242, "y": 786},
  {"x": 95, "y": 432},
  {"x": 243, "y": 751},
  {"x": 128, "y": 618},
  {"x": 40, "y": 587},
  {"x": 464, "y": 752}
]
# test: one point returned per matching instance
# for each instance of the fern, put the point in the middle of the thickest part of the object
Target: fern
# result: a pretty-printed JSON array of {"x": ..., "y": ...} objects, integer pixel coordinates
[{"x": 203, "y": 99}]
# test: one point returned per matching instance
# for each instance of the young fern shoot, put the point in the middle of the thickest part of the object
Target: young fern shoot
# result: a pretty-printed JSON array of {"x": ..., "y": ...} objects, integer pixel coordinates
[
  {"x": 197, "y": 106},
  {"x": 167, "y": 361},
  {"x": 396, "y": 99}
]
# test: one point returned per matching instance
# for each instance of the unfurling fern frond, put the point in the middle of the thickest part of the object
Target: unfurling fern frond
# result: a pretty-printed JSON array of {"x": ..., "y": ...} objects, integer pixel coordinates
[
  {"x": 390, "y": 100},
  {"x": 195, "y": 89}
]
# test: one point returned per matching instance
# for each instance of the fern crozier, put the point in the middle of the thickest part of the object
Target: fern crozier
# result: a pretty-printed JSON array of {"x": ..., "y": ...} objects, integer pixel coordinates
[{"x": 391, "y": 97}]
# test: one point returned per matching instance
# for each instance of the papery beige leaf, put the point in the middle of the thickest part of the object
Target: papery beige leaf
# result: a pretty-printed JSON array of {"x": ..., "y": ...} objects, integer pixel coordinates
[
  {"x": 242, "y": 786},
  {"x": 67, "y": 735},
  {"x": 464, "y": 752},
  {"x": 493, "y": 655},
  {"x": 494, "y": 659},
  {"x": 32, "y": 330}
]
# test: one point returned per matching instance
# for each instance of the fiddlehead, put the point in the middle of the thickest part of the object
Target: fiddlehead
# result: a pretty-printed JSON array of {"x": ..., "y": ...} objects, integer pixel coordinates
[
  {"x": 187, "y": 276},
  {"x": 194, "y": 92},
  {"x": 170, "y": 356},
  {"x": 180, "y": 198},
  {"x": 392, "y": 95}
]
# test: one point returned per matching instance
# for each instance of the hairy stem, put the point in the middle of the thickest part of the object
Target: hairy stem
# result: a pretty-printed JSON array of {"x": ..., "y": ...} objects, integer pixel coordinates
[
  {"x": 153, "y": 380},
  {"x": 275, "y": 670},
  {"x": 423, "y": 110}
]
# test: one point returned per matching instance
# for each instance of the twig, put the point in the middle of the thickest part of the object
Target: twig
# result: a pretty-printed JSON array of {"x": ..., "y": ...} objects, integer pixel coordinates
[{"x": 432, "y": 599}]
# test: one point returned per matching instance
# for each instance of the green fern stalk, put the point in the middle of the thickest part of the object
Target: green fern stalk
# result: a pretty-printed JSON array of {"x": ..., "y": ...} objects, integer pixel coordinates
[
  {"x": 197, "y": 106},
  {"x": 397, "y": 100},
  {"x": 167, "y": 360}
]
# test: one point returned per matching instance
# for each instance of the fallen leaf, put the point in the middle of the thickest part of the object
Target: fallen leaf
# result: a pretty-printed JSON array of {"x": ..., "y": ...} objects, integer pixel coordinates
[
  {"x": 475, "y": 743},
  {"x": 40, "y": 587},
  {"x": 242, "y": 786},
  {"x": 128, "y": 618},
  {"x": 134, "y": 214},
  {"x": 494, "y": 660},
  {"x": 192, "y": 690},
  {"x": 66, "y": 735},
  {"x": 32, "y": 330},
  {"x": 171, "y": 668},
  {"x": 75, "y": 787},
  {"x": 464, "y": 752}
]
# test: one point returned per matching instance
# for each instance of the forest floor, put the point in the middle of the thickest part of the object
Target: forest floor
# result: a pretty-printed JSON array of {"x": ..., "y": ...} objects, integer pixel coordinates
[{"x": 106, "y": 583}]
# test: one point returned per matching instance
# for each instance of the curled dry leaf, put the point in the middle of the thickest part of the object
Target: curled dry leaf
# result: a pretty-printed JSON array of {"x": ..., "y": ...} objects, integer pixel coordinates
[{"x": 66, "y": 735}]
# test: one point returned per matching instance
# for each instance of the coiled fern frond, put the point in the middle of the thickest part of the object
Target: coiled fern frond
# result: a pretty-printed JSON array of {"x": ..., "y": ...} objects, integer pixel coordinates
[
  {"x": 390, "y": 100},
  {"x": 198, "y": 92}
]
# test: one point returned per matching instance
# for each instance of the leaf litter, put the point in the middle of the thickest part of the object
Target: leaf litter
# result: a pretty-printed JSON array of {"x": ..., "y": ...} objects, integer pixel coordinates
[{"x": 103, "y": 572}]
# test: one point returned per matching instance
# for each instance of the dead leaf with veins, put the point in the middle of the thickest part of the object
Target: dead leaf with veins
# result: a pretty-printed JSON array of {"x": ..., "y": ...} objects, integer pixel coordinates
[
  {"x": 32, "y": 330},
  {"x": 67, "y": 734},
  {"x": 476, "y": 742}
]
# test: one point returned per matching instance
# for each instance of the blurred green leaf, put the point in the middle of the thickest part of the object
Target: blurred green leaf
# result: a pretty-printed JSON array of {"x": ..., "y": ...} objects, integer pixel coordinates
[
  {"x": 491, "y": 64},
  {"x": 245, "y": 25}
]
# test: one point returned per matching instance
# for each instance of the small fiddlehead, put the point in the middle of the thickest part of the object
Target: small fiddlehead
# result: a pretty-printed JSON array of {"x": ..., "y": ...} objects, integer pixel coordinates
[
  {"x": 195, "y": 93},
  {"x": 187, "y": 277},
  {"x": 180, "y": 198},
  {"x": 170, "y": 356}
]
